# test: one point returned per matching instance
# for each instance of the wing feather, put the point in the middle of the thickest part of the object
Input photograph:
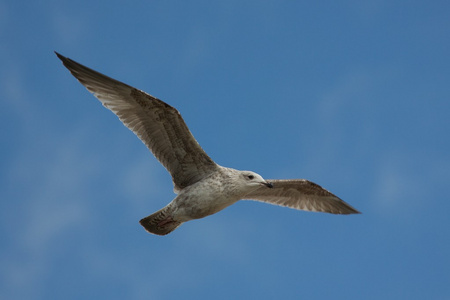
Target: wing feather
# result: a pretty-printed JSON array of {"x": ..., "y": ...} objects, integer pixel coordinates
[
  {"x": 159, "y": 125},
  {"x": 301, "y": 194}
]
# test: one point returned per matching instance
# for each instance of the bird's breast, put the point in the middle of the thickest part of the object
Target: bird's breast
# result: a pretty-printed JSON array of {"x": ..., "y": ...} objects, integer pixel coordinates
[{"x": 201, "y": 200}]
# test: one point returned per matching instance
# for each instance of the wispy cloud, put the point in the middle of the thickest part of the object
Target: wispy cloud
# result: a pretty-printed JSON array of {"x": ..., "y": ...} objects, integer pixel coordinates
[
  {"x": 349, "y": 101},
  {"x": 404, "y": 183},
  {"x": 45, "y": 196},
  {"x": 51, "y": 193}
]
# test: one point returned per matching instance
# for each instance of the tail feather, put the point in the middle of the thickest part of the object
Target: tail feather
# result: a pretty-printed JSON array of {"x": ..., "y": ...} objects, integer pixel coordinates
[{"x": 160, "y": 222}]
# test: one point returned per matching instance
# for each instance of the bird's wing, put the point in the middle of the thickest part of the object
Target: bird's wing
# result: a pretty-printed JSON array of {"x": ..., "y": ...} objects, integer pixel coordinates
[
  {"x": 301, "y": 194},
  {"x": 157, "y": 124}
]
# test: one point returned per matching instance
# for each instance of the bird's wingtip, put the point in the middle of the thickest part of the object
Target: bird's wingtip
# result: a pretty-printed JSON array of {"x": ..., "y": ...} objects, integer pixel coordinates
[
  {"x": 354, "y": 212},
  {"x": 63, "y": 58}
]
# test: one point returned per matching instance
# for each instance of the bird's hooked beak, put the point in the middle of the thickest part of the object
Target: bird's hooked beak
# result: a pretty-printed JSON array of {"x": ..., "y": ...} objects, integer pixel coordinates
[{"x": 268, "y": 184}]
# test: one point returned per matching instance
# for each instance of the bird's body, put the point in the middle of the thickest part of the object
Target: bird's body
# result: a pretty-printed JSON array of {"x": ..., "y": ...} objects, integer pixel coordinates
[
  {"x": 208, "y": 196},
  {"x": 202, "y": 186}
]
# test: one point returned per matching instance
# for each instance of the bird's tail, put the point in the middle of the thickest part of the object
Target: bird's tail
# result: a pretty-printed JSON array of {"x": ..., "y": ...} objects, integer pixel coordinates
[{"x": 160, "y": 222}]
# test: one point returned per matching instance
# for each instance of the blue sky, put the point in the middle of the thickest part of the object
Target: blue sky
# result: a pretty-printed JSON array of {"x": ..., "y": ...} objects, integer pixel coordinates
[{"x": 353, "y": 95}]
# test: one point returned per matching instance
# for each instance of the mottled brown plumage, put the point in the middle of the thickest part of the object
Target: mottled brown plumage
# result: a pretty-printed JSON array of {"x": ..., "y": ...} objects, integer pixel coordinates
[
  {"x": 301, "y": 194},
  {"x": 203, "y": 187}
]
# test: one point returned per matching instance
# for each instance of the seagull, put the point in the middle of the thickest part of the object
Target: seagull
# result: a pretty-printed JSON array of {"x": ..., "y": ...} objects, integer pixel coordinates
[{"x": 203, "y": 187}]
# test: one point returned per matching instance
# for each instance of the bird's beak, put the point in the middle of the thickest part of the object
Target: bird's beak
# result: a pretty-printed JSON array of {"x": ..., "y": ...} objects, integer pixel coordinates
[{"x": 268, "y": 184}]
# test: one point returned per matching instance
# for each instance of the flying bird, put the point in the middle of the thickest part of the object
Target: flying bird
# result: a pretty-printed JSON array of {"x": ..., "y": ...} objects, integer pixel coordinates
[{"x": 202, "y": 186}]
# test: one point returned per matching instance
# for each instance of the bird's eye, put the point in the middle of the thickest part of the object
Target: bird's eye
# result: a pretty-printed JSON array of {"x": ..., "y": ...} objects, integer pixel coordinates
[{"x": 250, "y": 177}]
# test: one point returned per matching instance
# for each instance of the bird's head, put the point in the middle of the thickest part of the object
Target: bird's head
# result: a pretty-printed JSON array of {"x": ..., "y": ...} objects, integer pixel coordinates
[{"x": 252, "y": 179}]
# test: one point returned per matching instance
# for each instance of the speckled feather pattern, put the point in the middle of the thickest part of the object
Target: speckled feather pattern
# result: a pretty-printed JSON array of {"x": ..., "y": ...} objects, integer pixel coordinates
[{"x": 203, "y": 187}]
